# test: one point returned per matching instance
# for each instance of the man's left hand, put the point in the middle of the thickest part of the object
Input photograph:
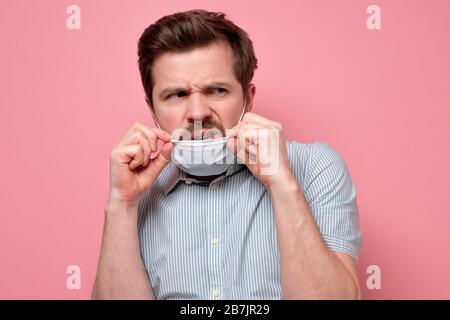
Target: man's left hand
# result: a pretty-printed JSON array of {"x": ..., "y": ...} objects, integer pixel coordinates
[{"x": 260, "y": 144}]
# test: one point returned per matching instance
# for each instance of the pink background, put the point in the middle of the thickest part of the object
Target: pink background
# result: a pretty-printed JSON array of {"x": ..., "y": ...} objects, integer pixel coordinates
[{"x": 380, "y": 98}]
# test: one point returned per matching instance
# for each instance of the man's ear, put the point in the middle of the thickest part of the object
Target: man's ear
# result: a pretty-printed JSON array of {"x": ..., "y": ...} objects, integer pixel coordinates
[{"x": 251, "y": 91}]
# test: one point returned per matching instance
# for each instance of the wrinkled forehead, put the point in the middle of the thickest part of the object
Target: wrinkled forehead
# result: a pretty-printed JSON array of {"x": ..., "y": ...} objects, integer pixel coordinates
[{"x": 195, "y": 68}]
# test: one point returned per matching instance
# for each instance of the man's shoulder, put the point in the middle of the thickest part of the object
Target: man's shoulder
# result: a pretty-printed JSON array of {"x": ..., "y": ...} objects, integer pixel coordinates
[
  {"x": 309, "y": 159},
  {"x": 304, "y": 152}
]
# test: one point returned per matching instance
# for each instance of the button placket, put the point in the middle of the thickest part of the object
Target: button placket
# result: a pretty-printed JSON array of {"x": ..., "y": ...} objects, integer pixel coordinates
[
  {"x": 216, "y": 293},
  {"x": 214, "y": 243}
]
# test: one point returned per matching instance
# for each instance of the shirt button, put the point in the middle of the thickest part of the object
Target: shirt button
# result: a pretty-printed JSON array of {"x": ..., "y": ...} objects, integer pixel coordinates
[
  {"x": 188, "y": 182},
  {"x": 216, "y": 293},
  {"x": 214, "y": 241}
]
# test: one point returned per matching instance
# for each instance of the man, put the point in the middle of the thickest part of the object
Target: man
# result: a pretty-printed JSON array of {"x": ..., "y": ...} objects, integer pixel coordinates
[{"x": 180, "y": 230}]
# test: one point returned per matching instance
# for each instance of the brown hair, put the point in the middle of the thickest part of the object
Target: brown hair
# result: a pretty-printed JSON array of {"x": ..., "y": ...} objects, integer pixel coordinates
[{"x": 184, "y": 31}]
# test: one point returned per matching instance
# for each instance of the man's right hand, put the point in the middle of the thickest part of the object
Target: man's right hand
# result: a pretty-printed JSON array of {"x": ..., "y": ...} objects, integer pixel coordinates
[{"x": 132, "y": 171}]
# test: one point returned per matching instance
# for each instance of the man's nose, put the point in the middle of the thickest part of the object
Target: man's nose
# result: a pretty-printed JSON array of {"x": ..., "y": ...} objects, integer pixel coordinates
[{"x": 198, "y": 109}]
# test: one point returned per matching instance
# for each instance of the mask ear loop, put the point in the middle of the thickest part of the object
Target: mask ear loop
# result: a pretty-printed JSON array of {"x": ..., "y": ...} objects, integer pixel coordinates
[
  {"x": 156, "y": 121},
  {"x": 240, "y": 118},
  {"x": 243, "y": 112},
  {"x": 239, "y": 161}
]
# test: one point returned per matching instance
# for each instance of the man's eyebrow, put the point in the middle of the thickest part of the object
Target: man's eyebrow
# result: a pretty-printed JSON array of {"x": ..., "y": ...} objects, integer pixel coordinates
[
  {"x": 217, "y": 84},
  {"x": 206, "y": 85}
]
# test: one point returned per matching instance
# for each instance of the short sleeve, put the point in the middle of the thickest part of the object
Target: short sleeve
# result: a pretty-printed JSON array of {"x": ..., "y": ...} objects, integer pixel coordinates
[{"x": 331, "y": 196}]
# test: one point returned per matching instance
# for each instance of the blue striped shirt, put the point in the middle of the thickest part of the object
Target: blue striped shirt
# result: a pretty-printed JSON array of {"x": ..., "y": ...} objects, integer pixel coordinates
[{"x": 218, "y": 240}]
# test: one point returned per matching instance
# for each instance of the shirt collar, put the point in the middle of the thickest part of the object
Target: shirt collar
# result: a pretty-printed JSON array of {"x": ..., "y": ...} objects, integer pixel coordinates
[{"x": 176, "y": 175}]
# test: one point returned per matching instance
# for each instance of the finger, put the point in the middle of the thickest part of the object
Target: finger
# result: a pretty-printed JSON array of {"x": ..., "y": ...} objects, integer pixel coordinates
[
  {"x": 165, "y": 155},
  {"x": 251, "y": 158},
  {"x": 232, "y": 145},
  {"x": 160, "y": 134},
  {"x": 154, "y": 136},
  {"x": 247, "y": 157},
  {"x": 150, "y": 133},
  {"x": 126, "y": 154},
  {"x": 258, "y": 119},
  {"x": 128, "y": 134},
  {"x": 249, "y": 145},
  {"x": 160, "y": 161},
  {"x": 146, "y": 138},
  {"x": 237, "y": 148},
  {"x": 242, "y": 127},
  {"x": 147, "y": 148},
  {"x": 138, "y": 137},
  {"x": 251, "y": 149},
  {"x": 138, "y": 158},
  {"x": 249, "y": 133}
]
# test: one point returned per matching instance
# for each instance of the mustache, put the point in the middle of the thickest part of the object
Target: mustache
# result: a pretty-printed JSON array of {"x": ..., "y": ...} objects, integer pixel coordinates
[
  {"x": 208, "y": 128},
  {"x": 210, "y": 125}
]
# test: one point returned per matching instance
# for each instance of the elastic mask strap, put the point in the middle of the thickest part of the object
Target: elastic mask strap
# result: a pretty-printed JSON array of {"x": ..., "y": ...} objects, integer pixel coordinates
[
  {"x": 156, "y": 121},
  {"x": 243, "y": 111}
]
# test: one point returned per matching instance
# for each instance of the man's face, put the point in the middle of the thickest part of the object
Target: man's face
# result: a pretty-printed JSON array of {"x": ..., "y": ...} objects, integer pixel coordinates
[{"x": 198, "y": 89}]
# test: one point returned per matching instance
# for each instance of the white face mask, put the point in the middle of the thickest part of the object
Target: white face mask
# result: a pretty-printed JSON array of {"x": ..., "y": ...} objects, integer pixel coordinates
[{"x": 203, "y": 157}]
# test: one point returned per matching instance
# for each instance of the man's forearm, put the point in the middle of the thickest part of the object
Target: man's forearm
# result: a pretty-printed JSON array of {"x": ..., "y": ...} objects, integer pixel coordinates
[
  {"x": 120, "y": 274},
  {"x": 309, "y": 269}
]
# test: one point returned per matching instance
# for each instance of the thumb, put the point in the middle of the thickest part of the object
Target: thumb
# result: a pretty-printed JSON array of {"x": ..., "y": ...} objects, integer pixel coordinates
[
  {"x": 166, "y": 153},
  {"x": 233, "y": 146},
  {"x": 162, "y": 159}
]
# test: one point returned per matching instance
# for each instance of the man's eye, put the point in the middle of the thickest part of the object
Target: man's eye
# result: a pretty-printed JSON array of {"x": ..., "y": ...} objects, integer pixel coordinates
[
  {"x": 216, "y": 91},
  {"x": 178, "y": 94}
]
